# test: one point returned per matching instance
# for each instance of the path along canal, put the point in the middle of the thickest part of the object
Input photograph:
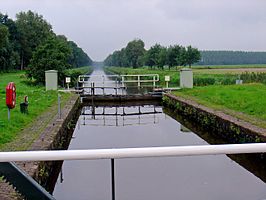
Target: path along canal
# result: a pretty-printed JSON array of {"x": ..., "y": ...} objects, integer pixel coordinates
[{"x": 216, "y": 177}]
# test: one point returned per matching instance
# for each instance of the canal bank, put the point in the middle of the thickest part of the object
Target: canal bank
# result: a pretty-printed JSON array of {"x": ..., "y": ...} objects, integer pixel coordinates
[
  {"x": 56, "y": 135},
  {"x": 217, "y": 122}
]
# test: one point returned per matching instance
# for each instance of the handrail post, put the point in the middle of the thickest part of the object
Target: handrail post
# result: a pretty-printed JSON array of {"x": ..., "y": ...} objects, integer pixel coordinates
[
  {"x": 113, "y": 178},
  {"x": 138, "y": 80}
]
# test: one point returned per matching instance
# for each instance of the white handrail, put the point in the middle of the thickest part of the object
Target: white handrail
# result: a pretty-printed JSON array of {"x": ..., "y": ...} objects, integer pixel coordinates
[
  {"x": 155, "y": 78},
  {"x": 95, "y": 154}
]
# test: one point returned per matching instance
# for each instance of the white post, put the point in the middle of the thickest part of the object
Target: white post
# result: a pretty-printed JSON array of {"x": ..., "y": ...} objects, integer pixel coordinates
[
  {"x": 138, "y": 81},
  {"x": 154, "y": 84}
]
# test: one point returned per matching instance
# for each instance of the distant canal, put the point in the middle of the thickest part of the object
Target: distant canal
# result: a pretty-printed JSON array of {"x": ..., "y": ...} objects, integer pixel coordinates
[{"x": 214, "y": 177}]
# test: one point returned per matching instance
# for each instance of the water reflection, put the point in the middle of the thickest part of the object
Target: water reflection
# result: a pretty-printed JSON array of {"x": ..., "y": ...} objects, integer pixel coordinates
[
  {"x": 119, "y": 115},
  {"x": 195, "y": 177},
  {"x": 255, "y": 163}
]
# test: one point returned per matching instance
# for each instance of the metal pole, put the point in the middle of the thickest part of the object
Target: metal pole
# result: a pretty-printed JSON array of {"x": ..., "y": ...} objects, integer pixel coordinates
[
  {"x": 59, "y": 106},
  {"x": 113, "y": 178},
  {"x": 8, "y": 114},
  {"x": 94, "y": 154},
  {"x": 138, "y": 81}
]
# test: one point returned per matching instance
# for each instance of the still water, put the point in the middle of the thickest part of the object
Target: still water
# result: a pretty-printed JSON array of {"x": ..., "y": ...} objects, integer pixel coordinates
[
  {"x": 195, "y": 177},
  {"x": 214, "y": 177}
]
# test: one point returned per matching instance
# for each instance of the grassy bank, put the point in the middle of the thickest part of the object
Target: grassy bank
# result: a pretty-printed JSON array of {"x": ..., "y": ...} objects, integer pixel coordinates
[
  {"x": 247, "y": 102},
  {"x": 202, "y": 77},
  {"x": 229, "y": 66},
  {"x": 40, "y": 101},
  {"x": 199, "y": 78}
]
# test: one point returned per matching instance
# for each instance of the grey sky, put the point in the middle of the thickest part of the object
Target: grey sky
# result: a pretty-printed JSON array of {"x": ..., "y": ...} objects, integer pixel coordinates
[{"x": 102, "y": 26}]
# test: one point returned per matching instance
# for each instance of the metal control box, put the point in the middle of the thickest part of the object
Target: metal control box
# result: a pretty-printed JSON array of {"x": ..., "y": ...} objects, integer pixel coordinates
[
  {"x": 51, "y": 80},
  {"x": 186, "y": 78}
]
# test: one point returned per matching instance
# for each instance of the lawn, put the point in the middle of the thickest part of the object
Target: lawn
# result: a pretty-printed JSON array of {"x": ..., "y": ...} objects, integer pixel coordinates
[
  {"x": 203, "y": 76},
  {"x": 39, "y": 102},
  {"x": 247, "y": 101},
  {"x": 229, "y": 66},
  {"x": 199, "y": 78}
]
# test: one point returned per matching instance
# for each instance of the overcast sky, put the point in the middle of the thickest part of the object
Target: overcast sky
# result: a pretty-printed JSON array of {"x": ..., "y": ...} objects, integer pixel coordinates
[{"x": 102, "y": 26}]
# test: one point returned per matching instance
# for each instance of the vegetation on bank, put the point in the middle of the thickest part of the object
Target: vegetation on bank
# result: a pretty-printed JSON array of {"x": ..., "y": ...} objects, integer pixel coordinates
[
  {"x": 29, "y": 43},
  {"x": 232, "y": 57},
  {"x": 40, "y": 101},
  {"x": 135, "y": 55},
  {"x": 247, "y": 101},
  {"x": 75, "y": 72},
  {"x": 202, "y": 77}
]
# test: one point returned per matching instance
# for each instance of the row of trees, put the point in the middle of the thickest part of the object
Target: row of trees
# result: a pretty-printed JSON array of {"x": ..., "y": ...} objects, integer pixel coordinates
[
  {"x": 134, "y": 55},
  {"x": 232, "y": 58},
  {"x": 30, "y": 43}
]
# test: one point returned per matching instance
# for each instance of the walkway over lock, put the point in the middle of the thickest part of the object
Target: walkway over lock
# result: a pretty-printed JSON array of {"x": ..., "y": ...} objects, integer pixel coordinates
[{"x": 117, "y": 83}]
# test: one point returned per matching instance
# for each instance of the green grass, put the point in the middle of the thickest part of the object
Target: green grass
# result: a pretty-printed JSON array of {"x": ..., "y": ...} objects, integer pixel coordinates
[
  {"x": 229, "y": 66},
  {"x": 246, "y": 101},
  {"x": 199, "y": 78},
  {"x": 39, "y": 102}
]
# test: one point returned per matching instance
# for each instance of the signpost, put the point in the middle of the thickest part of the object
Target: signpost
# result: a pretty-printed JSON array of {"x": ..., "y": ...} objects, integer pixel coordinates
[
  {"x": 68, "y": 80},
  {"x": 167, "y": 80}
]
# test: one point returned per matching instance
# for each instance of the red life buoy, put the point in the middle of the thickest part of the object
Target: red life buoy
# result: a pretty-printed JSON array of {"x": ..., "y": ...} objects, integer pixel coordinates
[{"x": 11, "y": 95}]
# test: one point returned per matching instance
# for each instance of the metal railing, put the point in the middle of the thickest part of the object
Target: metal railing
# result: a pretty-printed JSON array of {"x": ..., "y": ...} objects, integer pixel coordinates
[
  {"x": 94, "y": 154},
  {"x": 119, "y": 79},
  {"x": 112, "y": 154}
]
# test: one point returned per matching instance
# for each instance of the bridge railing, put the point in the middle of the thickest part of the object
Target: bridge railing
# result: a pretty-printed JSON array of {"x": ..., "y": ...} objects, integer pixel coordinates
[
  {"x": 112, "y": 154},
  {"x": 136, "y": 78},
  {"x": 94, "y": 154}
]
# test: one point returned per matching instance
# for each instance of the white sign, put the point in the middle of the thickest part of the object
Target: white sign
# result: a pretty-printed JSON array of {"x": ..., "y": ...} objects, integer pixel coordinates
[
  {"x": 68, "y": 80},
  {"x": 167, "y": 78}
]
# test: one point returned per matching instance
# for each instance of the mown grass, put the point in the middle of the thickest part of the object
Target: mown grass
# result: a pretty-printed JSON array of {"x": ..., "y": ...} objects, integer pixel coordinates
[
  {"x": 199, "y": 78},
  {"x": 247, "y": 101},
  {"x": 39, "y": 101},
  {"x": 229, "y": 66}
]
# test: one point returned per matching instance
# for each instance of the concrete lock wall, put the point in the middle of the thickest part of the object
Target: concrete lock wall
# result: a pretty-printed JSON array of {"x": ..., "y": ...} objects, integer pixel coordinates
[
  {"x": 51, "y": 79},
  {"x": 186, "y": 78}
]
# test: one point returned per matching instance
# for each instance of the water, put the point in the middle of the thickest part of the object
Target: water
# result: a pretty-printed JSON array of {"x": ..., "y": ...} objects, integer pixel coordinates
[{"x": 195, "y": 177}]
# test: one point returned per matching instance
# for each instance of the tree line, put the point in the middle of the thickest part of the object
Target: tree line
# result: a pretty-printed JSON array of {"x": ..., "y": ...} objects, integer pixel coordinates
[
  {"x": 135, "y": 55},
  {"x": 30, "y": 43},
  {"x": 231, "y": 58}
]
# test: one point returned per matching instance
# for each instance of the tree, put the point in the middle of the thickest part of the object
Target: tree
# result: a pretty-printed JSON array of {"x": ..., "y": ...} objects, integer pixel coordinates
[
  {"x": 3, "y": 36},
  {"x": 34, "y": 30},
  {"x": 162, "y": 60},
  {"x": 134, "y": 51},
  {"x": 78, "y": 57},
  {"x": 192, "y": 55},
  {"x": 173, "y": 56},
  {"x": 152, "y": 55},
  {"x": 51, "y": 55}
]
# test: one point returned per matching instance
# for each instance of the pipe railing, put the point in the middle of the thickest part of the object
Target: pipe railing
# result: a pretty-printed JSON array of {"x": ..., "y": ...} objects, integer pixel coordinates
[
  {"x": 94, "y": 154},
  {"x": 133, "y": 78}
]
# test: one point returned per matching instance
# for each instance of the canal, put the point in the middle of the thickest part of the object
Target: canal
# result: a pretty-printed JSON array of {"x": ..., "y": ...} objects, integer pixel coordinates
[{"x": 215, "y": 177}]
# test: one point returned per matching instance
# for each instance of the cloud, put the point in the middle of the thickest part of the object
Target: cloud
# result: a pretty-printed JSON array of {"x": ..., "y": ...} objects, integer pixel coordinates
[{"x": 102, "y": 26}]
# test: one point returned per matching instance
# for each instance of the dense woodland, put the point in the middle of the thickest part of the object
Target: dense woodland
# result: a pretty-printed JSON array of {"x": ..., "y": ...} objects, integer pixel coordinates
[
  {"x": 29, "y": 43},
  {"x": 232, "y": 58},
  {"x": 134, "y": 55}
]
